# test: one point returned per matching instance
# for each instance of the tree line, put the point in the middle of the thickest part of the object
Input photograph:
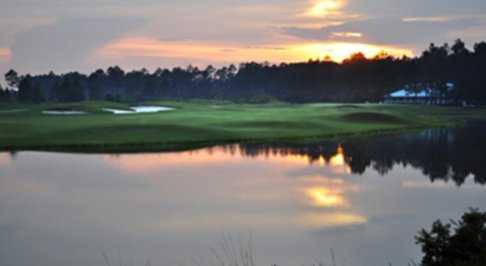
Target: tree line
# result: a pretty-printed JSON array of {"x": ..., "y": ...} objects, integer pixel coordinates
[{"x": 356, "y": 79}]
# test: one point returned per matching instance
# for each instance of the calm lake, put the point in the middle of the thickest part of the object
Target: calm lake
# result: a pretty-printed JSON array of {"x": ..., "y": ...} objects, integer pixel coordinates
[{"x": 364, "y": 198}]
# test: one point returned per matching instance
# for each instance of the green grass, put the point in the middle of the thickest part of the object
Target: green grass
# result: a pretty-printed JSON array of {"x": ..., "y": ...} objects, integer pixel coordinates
[{"x": 201, "y": 123}]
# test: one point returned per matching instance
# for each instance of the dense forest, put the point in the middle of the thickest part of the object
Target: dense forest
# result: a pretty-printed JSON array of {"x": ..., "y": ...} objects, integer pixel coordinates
[{"x": 356, "y": 79}]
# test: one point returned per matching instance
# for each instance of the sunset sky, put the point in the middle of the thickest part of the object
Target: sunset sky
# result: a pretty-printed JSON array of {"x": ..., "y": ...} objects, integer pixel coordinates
[{"x": 66, "y": 35}]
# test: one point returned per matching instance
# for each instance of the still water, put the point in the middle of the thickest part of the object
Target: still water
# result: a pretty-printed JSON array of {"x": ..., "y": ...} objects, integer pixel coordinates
[{"x": 365, "y": 199}]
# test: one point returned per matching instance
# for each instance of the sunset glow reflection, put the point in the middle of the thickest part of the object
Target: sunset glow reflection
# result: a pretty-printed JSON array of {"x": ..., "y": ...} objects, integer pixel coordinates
[
  {"x": 323, "y": 197},
  {"x": 221, "y": 155},
  {"x": 4, "y": 158}
]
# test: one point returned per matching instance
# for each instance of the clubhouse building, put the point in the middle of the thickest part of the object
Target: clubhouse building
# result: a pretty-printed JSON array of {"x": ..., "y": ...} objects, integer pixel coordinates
[{"x": 421, "y": 95}]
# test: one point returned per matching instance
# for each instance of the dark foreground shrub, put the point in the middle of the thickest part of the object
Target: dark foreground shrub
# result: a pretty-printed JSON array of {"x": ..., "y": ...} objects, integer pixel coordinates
[{"x": 458, "y": 243}]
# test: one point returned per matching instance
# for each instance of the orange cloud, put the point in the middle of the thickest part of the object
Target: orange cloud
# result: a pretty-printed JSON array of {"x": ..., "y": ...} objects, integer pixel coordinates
[
  {"x": 347, "y": 34},
  {"x": 196, "y": 51},
  {"x": 338, "y": 51},
  {"x": 215, "y": 53},
  {"x": 5, "y": 54},
  {"x": 322, "y": 8}
]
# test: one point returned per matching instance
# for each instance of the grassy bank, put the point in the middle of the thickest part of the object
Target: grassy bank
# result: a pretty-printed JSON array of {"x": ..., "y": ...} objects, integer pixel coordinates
[{"x": 200, "y": 123}]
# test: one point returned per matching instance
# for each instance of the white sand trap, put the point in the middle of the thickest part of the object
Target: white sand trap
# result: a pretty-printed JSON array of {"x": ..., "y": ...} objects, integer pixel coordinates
[
  {"x": 139, "y": 109},
  {"x": 118, "y": 111},
  {"x": 67, "y": 112},
  {"x": 151, "y": 109}
]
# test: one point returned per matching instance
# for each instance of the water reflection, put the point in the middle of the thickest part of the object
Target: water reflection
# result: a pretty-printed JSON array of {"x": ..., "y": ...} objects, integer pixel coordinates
[
  {"x": 441, "y": 154},
  {"x": 326, "y": 197},
  {"x": 365, "y": 199},
  {"x": 317, "y": 201},
  {"x": 4, "y": 158}
]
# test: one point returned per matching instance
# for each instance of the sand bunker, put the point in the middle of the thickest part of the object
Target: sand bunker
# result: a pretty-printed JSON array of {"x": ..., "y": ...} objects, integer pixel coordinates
[{"x": 138, "y": 110}]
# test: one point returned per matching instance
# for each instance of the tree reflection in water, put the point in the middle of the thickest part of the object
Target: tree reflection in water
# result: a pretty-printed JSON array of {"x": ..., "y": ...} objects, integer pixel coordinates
[{"x": 441, "y": 154}]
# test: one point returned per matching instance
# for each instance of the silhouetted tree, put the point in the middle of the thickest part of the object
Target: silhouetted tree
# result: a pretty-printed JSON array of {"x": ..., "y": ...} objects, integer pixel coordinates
[
  {"x": 5, "y": 94},
  {"x": 458, "y": 243},
  {"x": 459, "y": 48},
  {"x": 12, "y": 78},
  {"x": 96, "y": 81},
  {"x": 26, "y": 90}
]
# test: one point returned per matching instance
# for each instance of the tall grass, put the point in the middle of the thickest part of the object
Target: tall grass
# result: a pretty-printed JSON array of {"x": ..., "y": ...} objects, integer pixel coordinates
[{"x": 230, "y": 252}]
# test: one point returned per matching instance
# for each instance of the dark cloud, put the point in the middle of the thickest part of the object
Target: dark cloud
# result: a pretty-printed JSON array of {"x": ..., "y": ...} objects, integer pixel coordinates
[
  {"x": 66, "y": 43},
  {"x": 391, "y": 31},
  {"x": 374, "y": 8}
]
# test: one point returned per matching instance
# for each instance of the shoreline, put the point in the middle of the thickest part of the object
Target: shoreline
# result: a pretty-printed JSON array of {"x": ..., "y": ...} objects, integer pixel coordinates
[{"x": 134, "y": 148}]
